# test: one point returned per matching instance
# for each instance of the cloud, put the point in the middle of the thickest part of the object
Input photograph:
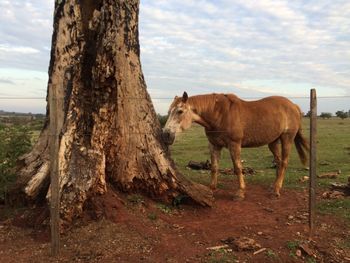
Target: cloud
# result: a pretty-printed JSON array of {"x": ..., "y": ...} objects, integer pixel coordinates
[
  {"x": 22, "y": 83},
  {"x": 252, "y": 48},
  {"x": 6, "y": 81},
  {"x": 26, "y": 29},
  {"x": 18, "y": 49},
  {"x": 238, "y": 41}
]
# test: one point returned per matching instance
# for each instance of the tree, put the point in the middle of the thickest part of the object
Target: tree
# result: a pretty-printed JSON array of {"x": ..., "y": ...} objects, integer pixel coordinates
[
  {"x": 109, "y": 132},
  {"x": 341, "y": 114},
  {"x": 326, "y": 115},
  {"x": 308, "y": 114}
]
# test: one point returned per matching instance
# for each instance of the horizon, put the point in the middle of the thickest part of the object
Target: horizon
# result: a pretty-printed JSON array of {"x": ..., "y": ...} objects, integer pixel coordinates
[{"x": 304, "y": 106}]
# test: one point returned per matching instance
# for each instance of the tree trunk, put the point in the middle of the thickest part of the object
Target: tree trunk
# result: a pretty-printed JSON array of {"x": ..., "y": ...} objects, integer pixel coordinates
[{"x": 109, "y": 132}]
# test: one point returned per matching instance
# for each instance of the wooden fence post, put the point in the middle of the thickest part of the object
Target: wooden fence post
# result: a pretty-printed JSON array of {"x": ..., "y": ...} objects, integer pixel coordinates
[
  {"x": 54, "y": 176},
  {"x": 313, "y": 158}
]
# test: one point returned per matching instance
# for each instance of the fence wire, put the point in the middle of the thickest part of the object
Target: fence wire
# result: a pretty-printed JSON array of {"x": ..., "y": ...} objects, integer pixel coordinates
[
  {"x": 171, "y": 98},
  {"x": 198, "y": 146}
]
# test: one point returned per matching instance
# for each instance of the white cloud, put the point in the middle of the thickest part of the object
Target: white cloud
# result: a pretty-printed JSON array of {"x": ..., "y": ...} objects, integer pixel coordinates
[
  {"x": 26, "y": 29},
  {"x": 252, "y": 48},
  {"x": 276, "y": 8},
  {"x": 18, "y": 49}
]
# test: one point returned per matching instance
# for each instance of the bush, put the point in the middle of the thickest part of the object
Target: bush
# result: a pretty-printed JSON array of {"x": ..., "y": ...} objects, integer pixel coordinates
[
  {"x": 308, "y": 114},
  {"x": 37, "y": 125},
  {"x": 341, "y": 114},
  {"x": 326, "y": 115},
  {"x": 14, "y": 142}
]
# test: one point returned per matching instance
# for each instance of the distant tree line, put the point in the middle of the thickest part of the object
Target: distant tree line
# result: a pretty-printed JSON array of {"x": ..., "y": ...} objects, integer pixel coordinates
[
  {"x": 326, "y": 115},
  {"x": 16, "y": 114}
]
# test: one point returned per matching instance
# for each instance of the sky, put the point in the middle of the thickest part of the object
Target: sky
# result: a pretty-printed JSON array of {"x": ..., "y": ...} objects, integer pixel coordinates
[{"x": 250, "y": 48}]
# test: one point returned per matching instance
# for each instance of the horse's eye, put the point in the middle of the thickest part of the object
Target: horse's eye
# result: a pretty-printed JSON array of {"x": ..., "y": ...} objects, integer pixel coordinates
[{"x": 180, "y": 111}]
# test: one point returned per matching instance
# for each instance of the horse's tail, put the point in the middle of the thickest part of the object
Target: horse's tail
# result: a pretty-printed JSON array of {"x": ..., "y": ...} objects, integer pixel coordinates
[{"x": 302, "y": 146}]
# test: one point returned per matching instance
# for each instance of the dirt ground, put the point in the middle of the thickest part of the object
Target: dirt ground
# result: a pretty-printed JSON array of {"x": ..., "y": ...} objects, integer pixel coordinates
[{"x": 136, "y": 229}]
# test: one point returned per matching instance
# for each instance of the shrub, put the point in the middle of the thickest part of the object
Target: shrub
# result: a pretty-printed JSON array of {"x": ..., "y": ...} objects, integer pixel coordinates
[
  {"x": 341, "y": 114},
  {"x": 14, "y": 142},
  {"x": 326, "y": 115}
]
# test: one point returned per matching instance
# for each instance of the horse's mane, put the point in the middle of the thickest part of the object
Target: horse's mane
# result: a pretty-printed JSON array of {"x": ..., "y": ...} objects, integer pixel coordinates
[{"x": 200, "y": 102}]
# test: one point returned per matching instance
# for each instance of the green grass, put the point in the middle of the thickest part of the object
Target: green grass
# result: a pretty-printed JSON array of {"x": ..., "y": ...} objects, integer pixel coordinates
[
  {"x": 135, "y": 198},
  {"x": 292, "y": 245},
  {"x": 272, "y": 256},
  {"x": 165, "y": 208},
  {"x": 310, "y": 260},
  {"x": 221, "y": 256},
  {"x": 333, "y": 153},
  {"x": 339, "y": 207},
  {"x": 345, "y": 243},
  {"x": 17, "y": 136},
  {"x": 152, "y": 216},
  {"x": 14, "y": 142}
]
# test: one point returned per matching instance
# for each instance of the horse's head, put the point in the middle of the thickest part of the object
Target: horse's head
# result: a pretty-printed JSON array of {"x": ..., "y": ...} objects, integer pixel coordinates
[{"x": 180, "y": 117}]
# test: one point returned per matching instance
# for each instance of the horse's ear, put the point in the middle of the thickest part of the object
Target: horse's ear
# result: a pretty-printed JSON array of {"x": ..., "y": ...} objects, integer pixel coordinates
[{"x": 184, "y": 97}]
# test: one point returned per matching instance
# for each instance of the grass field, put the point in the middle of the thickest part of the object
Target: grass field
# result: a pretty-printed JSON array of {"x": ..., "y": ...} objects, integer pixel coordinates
[{"x": 333, "y": 154}]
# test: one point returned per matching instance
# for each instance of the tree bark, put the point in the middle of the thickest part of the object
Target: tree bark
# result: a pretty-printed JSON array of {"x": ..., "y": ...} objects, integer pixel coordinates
[{"x": 109, "y": 132}]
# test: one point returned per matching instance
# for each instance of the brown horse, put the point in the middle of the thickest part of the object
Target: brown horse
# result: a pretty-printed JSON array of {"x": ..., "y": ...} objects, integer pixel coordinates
[{"x": 234, "y": 123}]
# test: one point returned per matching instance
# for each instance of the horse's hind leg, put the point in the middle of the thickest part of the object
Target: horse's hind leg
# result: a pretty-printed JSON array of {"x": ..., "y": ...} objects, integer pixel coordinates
[
  {"x": 235, "y": 151},
  {"x": 215, "y": 156},
  {"x": 275, "y": 149},
  {"x": 286, "y": 141}
]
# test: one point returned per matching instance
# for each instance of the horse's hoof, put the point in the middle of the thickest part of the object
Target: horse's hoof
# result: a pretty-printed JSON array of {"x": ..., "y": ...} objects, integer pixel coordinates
[
  {"x": 277, "y": 193},
  {"x": 239, "y": 196},
  {"x": 274, "y": 195}
]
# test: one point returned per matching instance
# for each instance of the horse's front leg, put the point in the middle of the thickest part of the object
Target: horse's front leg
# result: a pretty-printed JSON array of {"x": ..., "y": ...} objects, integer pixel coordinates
[
  {"x": 215, "y": 156},
  {"x": 235, "y": 151}
]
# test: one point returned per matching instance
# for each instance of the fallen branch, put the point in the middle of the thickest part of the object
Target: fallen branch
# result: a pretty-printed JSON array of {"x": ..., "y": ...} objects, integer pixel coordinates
[
  {"x": 242, "y": 243},
  {"x": 259, "y": 251},
  {"x": 218, "y": 247},
  {"x": 207, "y": 166},
  {"x": 330, "y": 174}
]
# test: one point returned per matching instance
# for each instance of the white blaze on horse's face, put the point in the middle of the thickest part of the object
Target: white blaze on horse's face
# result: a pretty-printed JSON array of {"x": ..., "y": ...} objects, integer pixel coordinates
[{"x": 180, "y": 117}]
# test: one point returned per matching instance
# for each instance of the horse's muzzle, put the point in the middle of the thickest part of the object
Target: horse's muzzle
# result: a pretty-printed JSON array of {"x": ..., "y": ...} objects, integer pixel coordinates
[{"x": 168, "y": 137}]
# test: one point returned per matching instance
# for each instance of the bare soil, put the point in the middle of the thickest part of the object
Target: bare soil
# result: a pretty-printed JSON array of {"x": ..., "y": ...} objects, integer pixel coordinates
[{"x": 134, "y": 229}]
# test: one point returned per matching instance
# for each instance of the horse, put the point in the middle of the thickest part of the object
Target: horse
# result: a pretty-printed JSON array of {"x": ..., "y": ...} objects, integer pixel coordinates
[{"x": 234, "y": 123}]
